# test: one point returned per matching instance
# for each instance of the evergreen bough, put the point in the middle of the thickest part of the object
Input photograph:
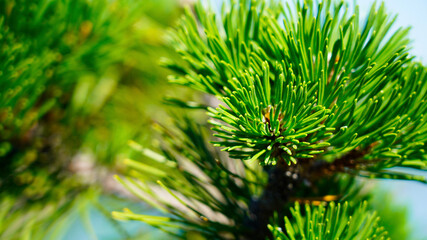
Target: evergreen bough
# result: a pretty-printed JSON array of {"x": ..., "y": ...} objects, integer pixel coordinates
[{"x": 309, "y": 98}]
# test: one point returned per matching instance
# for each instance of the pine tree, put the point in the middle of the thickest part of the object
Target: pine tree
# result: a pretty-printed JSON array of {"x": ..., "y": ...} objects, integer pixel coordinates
[{"x": 310, "y": 97}]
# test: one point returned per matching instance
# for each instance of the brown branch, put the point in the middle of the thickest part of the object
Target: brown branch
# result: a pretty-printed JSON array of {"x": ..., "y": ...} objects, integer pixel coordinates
[{"x": 282, "y": 180}]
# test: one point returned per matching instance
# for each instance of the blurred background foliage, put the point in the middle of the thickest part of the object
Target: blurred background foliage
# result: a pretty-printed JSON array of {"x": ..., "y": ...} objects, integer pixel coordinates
[{"x": 78, "y": 80}]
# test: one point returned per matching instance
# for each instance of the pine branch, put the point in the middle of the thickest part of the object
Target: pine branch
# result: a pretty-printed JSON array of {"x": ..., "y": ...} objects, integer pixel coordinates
[
  {"x": 309, "y": 92},
  {"x": 318, "y": 84}
]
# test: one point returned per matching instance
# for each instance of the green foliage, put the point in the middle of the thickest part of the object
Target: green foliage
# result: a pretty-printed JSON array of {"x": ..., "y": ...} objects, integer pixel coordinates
[
  {"x": 65, "y": 68},
  {"x": 393, "y": 216},
  {"x": 310, "y": 91},
  {"x": 335, "y": 221},
  {"x": 307, "y": 82},
  {"x": 42, "y": 220},
  {"x": 48, "y": 45},
  {"x": 191, "y": 181},
  {"x": 49, "y": 48}
]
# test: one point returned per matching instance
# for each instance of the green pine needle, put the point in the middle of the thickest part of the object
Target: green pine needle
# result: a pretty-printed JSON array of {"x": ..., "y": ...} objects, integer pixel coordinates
[
  {"x": 192, "y": 182},
  {"x": 331, "y": 222}
]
